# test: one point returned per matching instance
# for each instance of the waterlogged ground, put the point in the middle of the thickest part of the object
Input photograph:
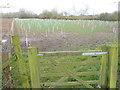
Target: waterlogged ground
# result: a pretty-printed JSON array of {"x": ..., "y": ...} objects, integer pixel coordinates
[{"x": 55, "y": 35}]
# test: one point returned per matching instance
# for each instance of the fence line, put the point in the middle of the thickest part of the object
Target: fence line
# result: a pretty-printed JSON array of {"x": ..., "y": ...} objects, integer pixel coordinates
[
  {"x": 67, "y": 53},
  {"x": 108, "y": 66}
]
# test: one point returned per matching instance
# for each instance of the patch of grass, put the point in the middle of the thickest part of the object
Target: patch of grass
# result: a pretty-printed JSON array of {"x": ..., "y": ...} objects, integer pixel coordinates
[
  {"x": 51, "y": 65},
  {"x": 56, "y": 67}
]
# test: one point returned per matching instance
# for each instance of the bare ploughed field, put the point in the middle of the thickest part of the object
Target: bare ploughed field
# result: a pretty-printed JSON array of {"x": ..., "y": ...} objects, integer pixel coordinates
[
  {"x": 57, "y": 42},
  {"x": 6, "y": 26}
]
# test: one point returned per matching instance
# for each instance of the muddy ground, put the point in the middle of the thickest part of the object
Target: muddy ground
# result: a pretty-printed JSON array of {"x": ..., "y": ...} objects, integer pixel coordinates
[{"x": 57, "y": 41}]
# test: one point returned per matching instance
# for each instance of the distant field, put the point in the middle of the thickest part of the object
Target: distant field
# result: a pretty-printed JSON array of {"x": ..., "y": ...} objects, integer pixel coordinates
[
  {"x": 61, "y": 35},
  {"x": 52, "y": 35},
  {"x": 82, "y": 26}
]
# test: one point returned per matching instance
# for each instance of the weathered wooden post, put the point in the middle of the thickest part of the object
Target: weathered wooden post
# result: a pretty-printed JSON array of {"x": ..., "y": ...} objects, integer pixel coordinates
[
  {"x": 113, "y": 54},
  {"x": 118, "y": 84},
  {"x": 112, "y": 65},
  {"x": 104, "y": 68},
  {"x": 7, "y": 69},
  {"x": 34, "y": 67},
  {"x": 21, "y": 64},
  {"x": 1, "y": 71}
]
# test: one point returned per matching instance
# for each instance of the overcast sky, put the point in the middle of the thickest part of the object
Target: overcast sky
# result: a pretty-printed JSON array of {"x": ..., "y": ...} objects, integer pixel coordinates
[{"x": 71, "y": 6}]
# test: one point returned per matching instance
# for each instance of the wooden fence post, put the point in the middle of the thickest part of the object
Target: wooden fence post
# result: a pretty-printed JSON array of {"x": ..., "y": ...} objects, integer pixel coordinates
[
  {"x": 113, "y": 66},
  {"x": 34, "y": 67},
  {"x": 104, "y": 68},
  {"x": 21, "y": 63},
  {"x": 118, "y": 84},
  {"x": 6, "y": 70},
  {"x": 1, "y": 71}
]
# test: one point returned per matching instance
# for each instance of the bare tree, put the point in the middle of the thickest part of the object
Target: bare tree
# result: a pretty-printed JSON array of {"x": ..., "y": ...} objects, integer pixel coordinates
[{"x": 25, "y": 13}]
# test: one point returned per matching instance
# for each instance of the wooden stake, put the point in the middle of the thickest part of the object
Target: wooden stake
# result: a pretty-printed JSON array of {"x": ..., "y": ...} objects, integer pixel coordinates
[
  {"x": 21, "y": 63},
  {"x": 34, "y": 67}
]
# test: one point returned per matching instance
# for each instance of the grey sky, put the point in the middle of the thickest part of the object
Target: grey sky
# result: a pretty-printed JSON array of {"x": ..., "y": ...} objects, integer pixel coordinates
[{"x": 71, "y": 6}]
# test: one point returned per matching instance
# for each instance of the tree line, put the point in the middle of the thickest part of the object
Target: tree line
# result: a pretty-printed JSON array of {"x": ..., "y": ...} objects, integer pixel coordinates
[{"x": 64, "y": 15}]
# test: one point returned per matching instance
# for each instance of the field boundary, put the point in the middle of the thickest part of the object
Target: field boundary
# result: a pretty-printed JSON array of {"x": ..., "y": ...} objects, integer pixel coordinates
[{"x": 108, "y": 66}]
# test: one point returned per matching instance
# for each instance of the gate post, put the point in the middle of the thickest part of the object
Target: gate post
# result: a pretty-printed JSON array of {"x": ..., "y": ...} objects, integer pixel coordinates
[
  {"x": 104, "y": 68},
  {"x": 6, "y": 71},
  {"x": 21, "y": 63},
  {"x": 34, "y": 67},
  {"x": 113, "y": 67}
]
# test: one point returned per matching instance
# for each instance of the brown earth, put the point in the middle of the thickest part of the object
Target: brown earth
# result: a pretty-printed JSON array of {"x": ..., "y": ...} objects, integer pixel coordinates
[
  {"x": 70, "y": 41},
  {"x": 6, "y": 26},
  {"x": 57, "y": 41}
]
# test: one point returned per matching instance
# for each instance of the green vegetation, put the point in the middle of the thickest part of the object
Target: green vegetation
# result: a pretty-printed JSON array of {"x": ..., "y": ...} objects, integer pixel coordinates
[
  {"x": 57, "y": 35},
  {"x": 52, "y": 65},
  {"x": 79, "y": 26},
  {"x": 53, "y": 14},
  {"x": 57, "y": 64},
  {"x": 71, "y": 69}
]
